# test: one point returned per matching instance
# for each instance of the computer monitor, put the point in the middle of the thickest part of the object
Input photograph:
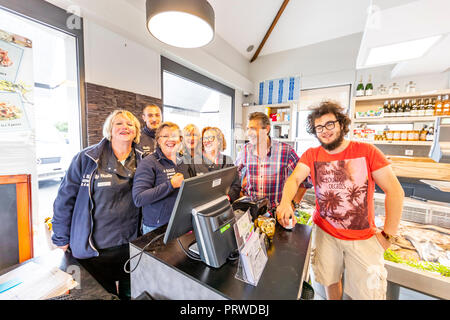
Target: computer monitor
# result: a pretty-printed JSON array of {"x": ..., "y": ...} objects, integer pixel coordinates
[{"x": 202, "y": 205}]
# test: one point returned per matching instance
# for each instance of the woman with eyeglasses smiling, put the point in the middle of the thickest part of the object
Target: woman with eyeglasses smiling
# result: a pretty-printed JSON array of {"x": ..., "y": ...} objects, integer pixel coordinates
[
  {"x": 214, "y": 144},
  {"x": 159, "y": 177}
]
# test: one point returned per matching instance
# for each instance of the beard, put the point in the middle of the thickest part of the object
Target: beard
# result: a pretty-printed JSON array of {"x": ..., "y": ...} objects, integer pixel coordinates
[{"x": 334, "y": 144}]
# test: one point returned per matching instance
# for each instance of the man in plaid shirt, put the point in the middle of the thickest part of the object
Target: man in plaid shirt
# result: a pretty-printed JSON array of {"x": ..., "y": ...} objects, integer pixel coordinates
[{"x": 265, "y": 164}]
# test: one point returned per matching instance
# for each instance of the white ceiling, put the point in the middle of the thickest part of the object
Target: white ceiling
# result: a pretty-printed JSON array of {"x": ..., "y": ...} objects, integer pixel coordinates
[
  {"x": 242, "y": 23},
  {"x": 412, "y": 20}
]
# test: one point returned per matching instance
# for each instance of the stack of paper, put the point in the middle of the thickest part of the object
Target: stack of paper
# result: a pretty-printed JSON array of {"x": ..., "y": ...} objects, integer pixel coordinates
[
  {"x": 32, "y": 281},
  {"x": 254, "y": 258}
]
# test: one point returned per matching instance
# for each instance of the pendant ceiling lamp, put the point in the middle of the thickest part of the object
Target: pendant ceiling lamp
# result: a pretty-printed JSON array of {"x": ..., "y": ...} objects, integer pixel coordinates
[{"x": 181, "y": 23}]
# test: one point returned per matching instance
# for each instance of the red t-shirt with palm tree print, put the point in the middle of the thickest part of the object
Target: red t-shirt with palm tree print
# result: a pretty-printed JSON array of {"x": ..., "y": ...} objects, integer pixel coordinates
[{"x": 344, "y": 189}]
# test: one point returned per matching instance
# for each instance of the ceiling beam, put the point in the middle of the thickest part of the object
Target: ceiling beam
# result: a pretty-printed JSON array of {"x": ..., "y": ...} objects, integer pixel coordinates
[{"x": 272, "y": 26}]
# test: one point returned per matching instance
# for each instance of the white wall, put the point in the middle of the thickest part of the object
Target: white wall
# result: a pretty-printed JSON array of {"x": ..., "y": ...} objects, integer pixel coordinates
[
  {"x": 126, "y": 19},
  {"x": 424, "y": 82},
  {"x": 332, "y": 63},
  {"x": 323, "y": 64},
  {"x": 114, "y": 61}
]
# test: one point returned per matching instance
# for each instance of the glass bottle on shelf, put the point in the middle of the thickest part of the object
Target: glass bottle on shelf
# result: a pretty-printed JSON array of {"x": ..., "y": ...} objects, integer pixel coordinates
[
  {"x": 399, "y": 112},
  {"x": 423, "y": 133},
  {"x": 386, "y": 109},
  {"x": 393, "y": 108},
  {"x": 446, "y": 106},
  {"x": 413, "y": 111},
  {"x": 360, "y": 88},
  {"x": 410, "y": 87},
  {"x": 386, "y": 133},
  {"x": 421, "y": 108},
  {"x": 407, "y": 108},
  {"x": 438, "y": 106},
  {"x": 430, "y": 134},
  {"x": 429, "y": 111},
  {"x": 381, "y": 90},
  {"x": 368, "y": 90},
  {"x": 394, "y": 89}
]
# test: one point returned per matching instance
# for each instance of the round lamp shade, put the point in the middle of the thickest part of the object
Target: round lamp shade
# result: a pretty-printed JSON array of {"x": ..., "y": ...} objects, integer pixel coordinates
[{"x": 181, "y": 23}]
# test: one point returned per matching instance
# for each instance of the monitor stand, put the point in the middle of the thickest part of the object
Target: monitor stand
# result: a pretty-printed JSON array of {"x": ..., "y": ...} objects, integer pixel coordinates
[
  {"x": 194, "y": 248},
  {"x": 213, "y": 228}
]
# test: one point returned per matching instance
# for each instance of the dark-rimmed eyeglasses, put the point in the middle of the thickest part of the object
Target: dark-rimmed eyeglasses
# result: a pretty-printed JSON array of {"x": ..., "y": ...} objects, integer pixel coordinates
[
  {"x": 329, "y": 125},
  {"x": 208, "y": 139}
]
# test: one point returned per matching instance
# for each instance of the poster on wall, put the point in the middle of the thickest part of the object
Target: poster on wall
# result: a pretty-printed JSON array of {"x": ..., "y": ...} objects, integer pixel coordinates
[
  {"x": 16, "y": 82},
  {"x": 10, "y": 58},
  {"x": 17, "y": 124},
  {"x": 280, "y": 90},
  {"x": 12, "y": 113}
]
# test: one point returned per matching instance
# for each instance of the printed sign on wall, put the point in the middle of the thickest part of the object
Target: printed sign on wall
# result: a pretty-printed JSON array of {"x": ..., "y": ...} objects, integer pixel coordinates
[
  {"x": 16, "y": 82},
  {"x": 279, "y": 90}
]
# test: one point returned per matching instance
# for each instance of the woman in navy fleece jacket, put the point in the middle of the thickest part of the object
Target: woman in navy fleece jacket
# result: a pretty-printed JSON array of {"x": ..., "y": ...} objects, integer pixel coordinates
[{"x": 158, "y": 178}]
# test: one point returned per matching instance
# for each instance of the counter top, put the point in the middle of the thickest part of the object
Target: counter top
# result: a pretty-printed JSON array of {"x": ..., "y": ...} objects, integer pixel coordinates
[
  {"x": 282, "y": 278},
  {"x": 88, "y": 288}
]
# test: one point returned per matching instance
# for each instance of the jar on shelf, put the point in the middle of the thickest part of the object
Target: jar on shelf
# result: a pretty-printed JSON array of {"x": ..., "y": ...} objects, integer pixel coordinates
[
  {"x": 404, "y": 135},
  {"x": 416, "y": 135},
  {"x": 411, "y": 135},
  {"x": 382, "y": 90},
  {"x": 410, "y": 87},
  {"x": 394, "y": 88},
  {"x": 396, "y": 135},
  {"x": 389, "y": 135}
]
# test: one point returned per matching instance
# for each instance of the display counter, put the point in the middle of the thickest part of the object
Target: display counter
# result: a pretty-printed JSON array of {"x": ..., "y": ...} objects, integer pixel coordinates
[{"x": 165, "y": 272}]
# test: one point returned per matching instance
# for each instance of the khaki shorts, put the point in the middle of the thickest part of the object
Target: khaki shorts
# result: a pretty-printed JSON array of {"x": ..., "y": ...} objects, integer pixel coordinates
[{"x": 360, "y": 261}]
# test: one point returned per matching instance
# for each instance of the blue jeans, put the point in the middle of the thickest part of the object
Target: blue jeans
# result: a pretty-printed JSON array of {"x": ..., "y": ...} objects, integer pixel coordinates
[{"x": 146, "y": 229}]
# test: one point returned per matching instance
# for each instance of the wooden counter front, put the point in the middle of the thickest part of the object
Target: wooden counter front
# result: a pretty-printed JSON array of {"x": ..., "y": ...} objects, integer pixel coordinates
[{"x": 420, "y": 168}]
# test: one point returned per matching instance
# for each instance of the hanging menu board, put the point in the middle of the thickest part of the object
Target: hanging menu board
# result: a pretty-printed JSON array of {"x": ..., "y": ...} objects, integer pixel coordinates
[{"x": 15, "y": 82}]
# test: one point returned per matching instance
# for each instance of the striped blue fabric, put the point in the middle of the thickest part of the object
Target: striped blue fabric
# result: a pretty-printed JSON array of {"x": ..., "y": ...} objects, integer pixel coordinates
[
  {"x": 270, "y": 92},
  {"x": 280, "y": 90},
  {"x": 261, "y": 92}
]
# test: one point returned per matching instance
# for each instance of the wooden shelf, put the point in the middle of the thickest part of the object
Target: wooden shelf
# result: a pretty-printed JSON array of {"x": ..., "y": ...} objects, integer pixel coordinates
[
  {"x": 398, "y": 119},
  {"x": 280, "y": 123},
  {"x": 407, "y": 143},
  {"x": 403, "y": 95}
]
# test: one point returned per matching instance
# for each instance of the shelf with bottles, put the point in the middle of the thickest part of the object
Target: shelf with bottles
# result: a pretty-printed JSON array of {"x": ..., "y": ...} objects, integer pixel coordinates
[
  {"x": 408, "y": 109},
  {"x": 404, "y": 95}
]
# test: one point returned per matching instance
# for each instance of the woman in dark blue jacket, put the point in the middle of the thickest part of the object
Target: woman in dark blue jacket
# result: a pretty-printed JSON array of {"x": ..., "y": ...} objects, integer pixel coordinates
[
  {"x": 94, "y": 213},
  {"x": 159, "y": 177}
]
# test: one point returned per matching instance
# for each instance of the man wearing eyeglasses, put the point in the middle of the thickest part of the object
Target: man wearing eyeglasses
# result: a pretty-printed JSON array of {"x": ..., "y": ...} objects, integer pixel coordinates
[
  {"x": 345, "y": 240},
  {"x": 264, "y": 164}
]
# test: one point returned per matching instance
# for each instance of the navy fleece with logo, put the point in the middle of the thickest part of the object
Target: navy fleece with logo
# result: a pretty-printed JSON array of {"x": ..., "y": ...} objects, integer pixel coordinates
[
  {"x": 152, "y": 189},
  {"x": 76, "y": 204}
]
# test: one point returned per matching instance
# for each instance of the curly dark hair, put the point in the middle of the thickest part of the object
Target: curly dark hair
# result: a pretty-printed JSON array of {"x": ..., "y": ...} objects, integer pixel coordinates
[{"x": 324, "y": 108}]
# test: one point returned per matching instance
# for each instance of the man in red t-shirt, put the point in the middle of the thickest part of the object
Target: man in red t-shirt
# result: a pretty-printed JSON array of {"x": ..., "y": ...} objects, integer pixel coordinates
[{"x": 345, "y": 239}]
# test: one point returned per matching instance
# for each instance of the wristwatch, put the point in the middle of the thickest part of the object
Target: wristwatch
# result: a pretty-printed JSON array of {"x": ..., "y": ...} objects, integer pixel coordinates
[{"x": 388, "y": 237}]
